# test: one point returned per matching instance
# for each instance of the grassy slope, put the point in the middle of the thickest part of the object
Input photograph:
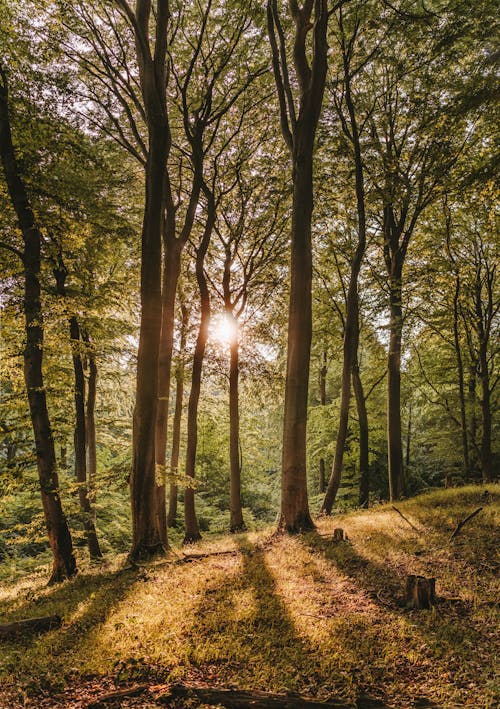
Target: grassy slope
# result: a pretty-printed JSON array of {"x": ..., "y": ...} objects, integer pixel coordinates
[{"x": 298, "y": 614}]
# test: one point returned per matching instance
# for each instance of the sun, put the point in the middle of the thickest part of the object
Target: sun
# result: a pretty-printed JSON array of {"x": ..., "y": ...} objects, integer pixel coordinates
[{"x": 224, "y": 329}]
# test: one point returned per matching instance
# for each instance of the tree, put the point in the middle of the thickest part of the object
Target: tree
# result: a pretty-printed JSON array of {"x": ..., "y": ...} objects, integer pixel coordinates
[
  {"x": 64, "y": 565},
  {"x": 299, "y": 123}
]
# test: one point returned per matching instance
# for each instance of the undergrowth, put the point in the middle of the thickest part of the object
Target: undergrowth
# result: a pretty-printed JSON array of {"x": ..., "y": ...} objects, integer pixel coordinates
[{"x": 299, "y": 614}]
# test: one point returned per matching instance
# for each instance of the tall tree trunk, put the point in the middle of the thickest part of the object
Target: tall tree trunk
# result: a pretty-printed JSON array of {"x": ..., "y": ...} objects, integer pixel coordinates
[
  {"x": 90, "y": 427},
  {"x": 472, "y": 427},
  {"x": 176, "y": 434},
  {"x": 171, "y": 273},
  {"x": 408, "y": 446},
  {"x": 192, "y": 530},
  {"x": 236, "y": 514},
  {"x": 64, "y": 564},
  {"x": 90, "y": 415},
  {"x": 299, "y": 129},
  {"x": 295, "y": 514},
  {"x": 80, "y": 443},
  {"x": 364, "y": 464},
  {"x": 322, "y": 400},
  {"x": 460, "y": 376},
  {"x": 80, "y": 433},
  {"x": 485, "y": 409},
  {"x": 351, "y": 328},
  {"x": 394, "y": 433},
  {"x": 146, "y": 536}
]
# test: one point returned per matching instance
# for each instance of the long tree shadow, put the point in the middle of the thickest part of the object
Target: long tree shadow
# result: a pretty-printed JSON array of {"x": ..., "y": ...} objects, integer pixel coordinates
[
  {"x": 40, "y": 661},
  {"x": 245, "y": 631},
  {"x": 443, "y": 632}
]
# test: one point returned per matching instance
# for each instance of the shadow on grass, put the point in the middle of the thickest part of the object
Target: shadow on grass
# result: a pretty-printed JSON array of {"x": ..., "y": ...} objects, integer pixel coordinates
[
  {"x": 40, "y": 661},
  {"x": 243, "y": 634}
]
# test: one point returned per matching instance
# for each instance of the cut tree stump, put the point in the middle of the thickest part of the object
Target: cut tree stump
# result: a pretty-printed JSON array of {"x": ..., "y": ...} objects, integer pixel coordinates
[
  {"x": 420, "y": 592},
  {"x": 339, "y": 535},
  {"x": 240, "y": 699},
  {"x": 30, "y": 625}
]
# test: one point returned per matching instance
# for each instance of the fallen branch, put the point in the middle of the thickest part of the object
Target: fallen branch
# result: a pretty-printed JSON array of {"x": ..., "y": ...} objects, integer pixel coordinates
[
  {"x": 406, "y": 519},
  {"x": 463, "y": 522},
  {"x": 117, "y": 694},
  {"x": 30, "y": 625},
  {"x": 240, "y": 699}
]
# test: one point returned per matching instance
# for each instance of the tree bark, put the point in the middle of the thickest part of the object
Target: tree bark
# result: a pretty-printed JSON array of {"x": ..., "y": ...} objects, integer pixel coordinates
[
  {"x": 460, "y": 377},
  {"x": 91, "y": 439},
  {"x": 192, "y": 530},
  {"x": 64, "y": 565},
  {"x": 236, "y": 514},
  {"x": 394, "y": 433},
  {"x": 146, "y": 536},
  {"x": 364, "y": 464},
  {"x": 80, "y": 433},
  {"x": 176, "y": 434},
  {"x": 171, "y": 272},
  {"x": 322, "y": 399},
  {"x": 351, "y": 329},
  {"x": 299, "y": 133}
]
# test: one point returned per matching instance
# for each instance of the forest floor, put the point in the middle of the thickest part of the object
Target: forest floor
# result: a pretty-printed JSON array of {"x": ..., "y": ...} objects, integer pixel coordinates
[{"x": 275, "y": 613}]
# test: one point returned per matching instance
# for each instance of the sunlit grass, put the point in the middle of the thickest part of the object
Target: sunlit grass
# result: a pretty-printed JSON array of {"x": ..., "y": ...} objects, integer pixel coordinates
[{"x": 286, "y": 613}]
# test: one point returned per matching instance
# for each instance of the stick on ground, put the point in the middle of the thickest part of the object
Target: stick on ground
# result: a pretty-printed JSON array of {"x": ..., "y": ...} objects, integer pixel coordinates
[
  {"x": 406, "y": 519},
  {"x": 464, "y": 521}
]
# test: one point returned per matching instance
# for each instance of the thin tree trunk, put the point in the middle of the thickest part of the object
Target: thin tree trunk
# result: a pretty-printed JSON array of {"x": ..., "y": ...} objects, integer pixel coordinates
[
  {"x": 90, "y": 427},
  {"x": 322, "y": 399},
  {"x": 80, "y": 433},
  {"x": 64, "y": 564},
  {"x": 485, "y": 411},
  {"x": 171, "y": 274},
  {"x": 460, "y": 376},
  {"x": 236, "y": 514},
  {"x": 176, "y": 434},
  {"x": 394, "y": 434},
  {"x": 351, "y": 329},
  {"x": 472, "y": 428},
  {"x": 90, "y": 416},
  {"x": 364, "y": 464},
  {"x": 408, "y": 445},
  {"x": 192, "y": 530}
]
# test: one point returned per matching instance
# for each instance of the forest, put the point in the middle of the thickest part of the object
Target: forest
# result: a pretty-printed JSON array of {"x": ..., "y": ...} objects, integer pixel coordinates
[{"x": 249, "y": 300}]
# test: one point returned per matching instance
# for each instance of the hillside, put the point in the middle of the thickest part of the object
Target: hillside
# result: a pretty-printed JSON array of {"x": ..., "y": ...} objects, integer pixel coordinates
[{"x": 280, "y": 614}]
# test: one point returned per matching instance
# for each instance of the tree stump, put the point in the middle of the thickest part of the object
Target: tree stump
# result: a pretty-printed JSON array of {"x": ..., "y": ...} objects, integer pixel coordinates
[
  {"x": 339, "y": 535},
  {"x": 420, "y": 592}
]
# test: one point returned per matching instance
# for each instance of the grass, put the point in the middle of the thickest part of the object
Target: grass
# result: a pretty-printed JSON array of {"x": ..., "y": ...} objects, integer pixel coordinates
[{"x": 284, "y": 613}]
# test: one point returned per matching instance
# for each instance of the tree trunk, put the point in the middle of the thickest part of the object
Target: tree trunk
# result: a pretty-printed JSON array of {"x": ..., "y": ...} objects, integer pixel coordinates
[
  {"x": 299, "y": 131},
  {"x": 351, "y": 329},
  {"x": 322, "y": 399},
  {"x": 80, "y": 442},
  {"x": 364, "y": 465},
  {"x": 146, "y": 537},
  {"x": 472, "y": 427},
  {"x": 90, "y": 416},
  {"x": 176, "y": 434},
  {"x": 171, "y": 273},
  {"x": 192, "y": 531},
  {"x": 394, "y": 434},
  {"x": 236, "y": 514},
  {"x": 64, "y": 564},
  {"x": 295, "y": 515},
  {"x": 408, "y": 446},
  {"x": 80, "y": 433},
  {"x": 485, "y": 413},
  {"x": 460, "y": 376}
]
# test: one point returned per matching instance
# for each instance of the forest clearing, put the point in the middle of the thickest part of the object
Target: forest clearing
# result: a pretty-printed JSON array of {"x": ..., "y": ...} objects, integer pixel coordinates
[
  {"x": 278, "y": 614},
  {"x": 249, "y": 366}
]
